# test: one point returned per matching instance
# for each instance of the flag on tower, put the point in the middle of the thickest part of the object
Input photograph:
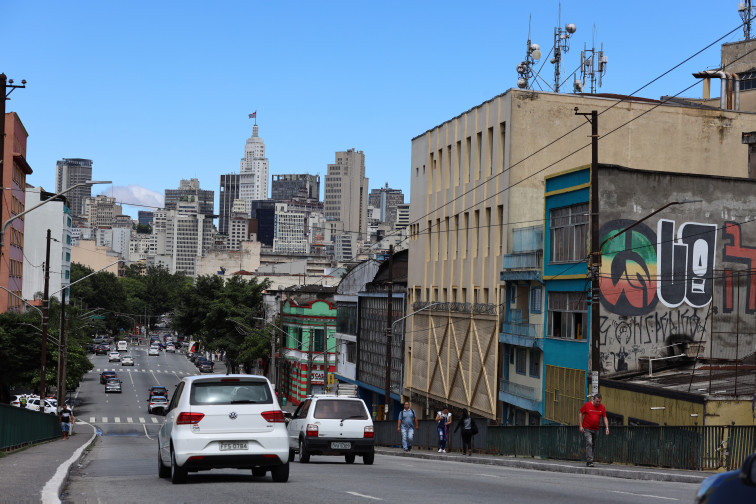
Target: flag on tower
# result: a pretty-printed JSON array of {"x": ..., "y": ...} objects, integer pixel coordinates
[{"x": 253, "y": 114}]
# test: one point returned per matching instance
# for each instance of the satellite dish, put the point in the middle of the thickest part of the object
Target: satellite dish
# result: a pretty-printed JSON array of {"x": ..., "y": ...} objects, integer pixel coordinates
[
  {"x": 552, "y": 60},
  {"x": 536, "y": 54},
  {"x": 522, "y": 83},
  {"x": 571, "y": 28}
]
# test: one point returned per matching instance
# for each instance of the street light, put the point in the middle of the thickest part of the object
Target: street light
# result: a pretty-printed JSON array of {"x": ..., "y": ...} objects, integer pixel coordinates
[{"x": 22, "y": 299}]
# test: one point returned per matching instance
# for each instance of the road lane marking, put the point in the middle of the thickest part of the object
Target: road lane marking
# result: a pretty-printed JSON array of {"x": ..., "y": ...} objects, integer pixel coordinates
[
  {"x": 487, "y": 475},
  {"x": 156, "y": 380},
  {"x": 154, "y": 420},
  {"x": 364, "y": 496},
  {"x": 141, "y": 420},
  {"x": 643, "y": 495},
  {"x": 131, "y": 377},
  {"x": 92, "y": 419},
  {"x": 145, "y": 432},
  {"x": 117, "y": 419},
  {"x": 105, "y": 419},
  {"x": 129, "y": 420}
]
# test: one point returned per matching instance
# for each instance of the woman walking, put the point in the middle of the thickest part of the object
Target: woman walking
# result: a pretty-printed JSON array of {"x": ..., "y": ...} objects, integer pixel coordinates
[{"x": 466, "y": 424}]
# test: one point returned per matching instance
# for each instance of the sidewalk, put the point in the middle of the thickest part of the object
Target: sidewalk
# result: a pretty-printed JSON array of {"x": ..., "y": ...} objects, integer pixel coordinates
[
  {"x": 37, "y": 474},
  {"x": 575, "y": 467}
]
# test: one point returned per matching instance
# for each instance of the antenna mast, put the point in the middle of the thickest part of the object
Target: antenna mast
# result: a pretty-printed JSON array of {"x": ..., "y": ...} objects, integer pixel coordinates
[
  {"x": 745, "y": 9},
  {"x": 592, "y": 67},
  {"x": 561, "y": 44},
  {"x": 525, "y": 69}
]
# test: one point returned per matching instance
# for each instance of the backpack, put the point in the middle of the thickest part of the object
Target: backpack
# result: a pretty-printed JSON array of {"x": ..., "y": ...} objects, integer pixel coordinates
[
  {"x": 473, "y": 426},
  {"x": 401, "y": 414}
]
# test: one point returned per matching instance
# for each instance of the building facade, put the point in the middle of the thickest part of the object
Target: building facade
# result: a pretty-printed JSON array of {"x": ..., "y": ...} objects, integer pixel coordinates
[
  {"x": 253, "y": 170},
  {"x": 386, "y": 200},
  {"x": 346, "y": 193},
  {"x": 299, "y": 186},
  {"x": 190, "y": 191},
  {"x": 100, "y": 212},
  {"x": 229, "y": 192},
  {"x": 69, "y": 172}
]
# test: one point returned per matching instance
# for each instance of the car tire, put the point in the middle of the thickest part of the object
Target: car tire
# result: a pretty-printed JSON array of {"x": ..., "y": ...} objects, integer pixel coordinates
[
  {"x": 259, "y": 472},
  {"x": 304, "y": 455},
  {"x": 178, "y": 474},
  {"x": 368, "y": 458},
  {"x": 163, "y": 471},
  {"x": 280, "y": 473},
  {"x": 349, "y": 458}
]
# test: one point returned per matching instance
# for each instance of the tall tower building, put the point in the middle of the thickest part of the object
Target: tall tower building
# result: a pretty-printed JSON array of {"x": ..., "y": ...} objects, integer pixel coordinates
[
  {"x": 386, "y": 199},
  {"x": 190, "y": 191},
  {"x": 253, "y": 170},
  {"x": 229, "y": 191},
  {"x": 346, "y": 192},
  {"x": 101, "y": 211},
  {"x": 69, "y": 172},
  {"x": 300, "y": 186}
]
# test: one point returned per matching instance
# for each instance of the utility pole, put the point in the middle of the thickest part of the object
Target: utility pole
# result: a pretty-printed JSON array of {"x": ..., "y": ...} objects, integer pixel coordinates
[
  {"x": 45, "y": 323},
  {"x": 389, "y": 314},
  {"x": 326, "y": 360},
  {"x": 5, "y": 85},
  {"x": 308, "y": 389},
  {"x": 62, "y": 351},
  {"x": 595, "y": 265}
]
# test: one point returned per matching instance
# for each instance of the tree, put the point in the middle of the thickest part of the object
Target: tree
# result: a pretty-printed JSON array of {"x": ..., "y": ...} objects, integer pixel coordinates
[{"x": 20, "y": 352}]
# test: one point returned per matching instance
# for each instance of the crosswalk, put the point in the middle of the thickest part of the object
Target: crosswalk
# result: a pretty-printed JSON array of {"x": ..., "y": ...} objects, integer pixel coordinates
[
  {"x": 142, "y": 370},
  {"x": 117, "y": 420}
]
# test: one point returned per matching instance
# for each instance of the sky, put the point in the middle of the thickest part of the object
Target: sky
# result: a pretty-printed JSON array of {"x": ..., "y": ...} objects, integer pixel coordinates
[{"x": 155, "y": 92}]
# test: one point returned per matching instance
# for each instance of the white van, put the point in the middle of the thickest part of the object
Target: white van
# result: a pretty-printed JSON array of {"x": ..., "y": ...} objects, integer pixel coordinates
[{"x": 122, "y": 347}]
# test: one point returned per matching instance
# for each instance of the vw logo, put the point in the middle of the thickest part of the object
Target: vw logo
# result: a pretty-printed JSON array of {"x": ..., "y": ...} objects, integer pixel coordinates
[{"x": 232, "y": 415}]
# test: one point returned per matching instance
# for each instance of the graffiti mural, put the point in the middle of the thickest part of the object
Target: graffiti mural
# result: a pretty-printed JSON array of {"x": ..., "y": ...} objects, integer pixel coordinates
[{"x": 735, "y": 251}]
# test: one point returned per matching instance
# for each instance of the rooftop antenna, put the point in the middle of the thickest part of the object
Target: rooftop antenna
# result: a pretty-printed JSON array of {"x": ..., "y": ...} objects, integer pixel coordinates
[
  {"x": 561, "y": 45},
  {"x": 525, "y": 69},
  {"x": 592, "y": 66},
  {"x": 745, "y": 9}
]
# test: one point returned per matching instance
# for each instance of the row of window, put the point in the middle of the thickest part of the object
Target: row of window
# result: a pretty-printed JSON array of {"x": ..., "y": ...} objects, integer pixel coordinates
[{"x": 519, "y": 358}]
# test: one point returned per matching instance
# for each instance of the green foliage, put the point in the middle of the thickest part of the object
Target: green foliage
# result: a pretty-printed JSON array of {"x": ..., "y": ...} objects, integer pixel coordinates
[
  {"x": 20, "y": 350},
  {"x": 144, "y": 229}
]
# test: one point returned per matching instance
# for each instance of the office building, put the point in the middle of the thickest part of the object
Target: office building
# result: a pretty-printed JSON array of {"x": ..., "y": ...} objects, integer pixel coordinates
[
  {"x": 386, "y": 200},
  {"x": 345, "y": 199},
  {"x": 101, "y": 211},
  {"x": 190, "y": 191},
  {"x": 69, "y": 172},
  {"x": 229, "y": 192},
  {"x": 253, "y": 170},
  {"x": 145, "y": 218},
  {"x": 299, "y": 186}
]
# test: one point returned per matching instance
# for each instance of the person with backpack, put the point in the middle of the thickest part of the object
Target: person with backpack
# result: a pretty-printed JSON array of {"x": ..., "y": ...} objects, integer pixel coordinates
[
  {"x": 467, "y": 424},
  {"x": 407, "y": 424}
]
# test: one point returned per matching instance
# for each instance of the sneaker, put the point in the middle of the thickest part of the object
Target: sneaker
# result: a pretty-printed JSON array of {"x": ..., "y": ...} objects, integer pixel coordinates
[
  {"x": 589, "y": 464},
  {"x": 443, "y": 451},
  {"x": 440, "y": 450}
]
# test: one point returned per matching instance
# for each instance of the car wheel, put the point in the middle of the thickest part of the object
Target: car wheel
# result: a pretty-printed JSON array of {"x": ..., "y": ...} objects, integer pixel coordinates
[
  {"x": 291, "y": 455},
  {"x": 258, "y": 472},
  {"x": 178, "y": 474},
  {"x": 349, "y": 458},
  {"x": 368, "y": 458},
  {"x": 163, "y": 471},
  {"x": 304, "y": 455},
  {"x": 280, "y": 473}
]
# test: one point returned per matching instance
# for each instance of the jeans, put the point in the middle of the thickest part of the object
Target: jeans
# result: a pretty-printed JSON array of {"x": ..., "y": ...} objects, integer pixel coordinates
[
  {"x": 408, "y": 434},
  {"x": 441, "y": 437},
  {"x": 590, "y": 441}
]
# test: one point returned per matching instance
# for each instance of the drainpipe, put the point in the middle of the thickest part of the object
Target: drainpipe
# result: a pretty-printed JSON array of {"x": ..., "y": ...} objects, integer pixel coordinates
[{"x": 708, "y": 74}]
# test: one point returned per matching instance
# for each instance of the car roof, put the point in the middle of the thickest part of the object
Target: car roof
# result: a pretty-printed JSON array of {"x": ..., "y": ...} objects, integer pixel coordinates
[{"x": 190, "y": 379}]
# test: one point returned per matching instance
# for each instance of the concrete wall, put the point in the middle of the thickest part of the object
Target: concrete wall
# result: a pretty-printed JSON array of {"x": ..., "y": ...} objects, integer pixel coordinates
[{"x": 246, "y": 259}]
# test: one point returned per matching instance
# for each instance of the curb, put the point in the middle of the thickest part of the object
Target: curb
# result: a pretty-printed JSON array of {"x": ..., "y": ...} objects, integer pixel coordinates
[
  {"x": 601, "y": 470},
  {"x": 53, "y": 488}
]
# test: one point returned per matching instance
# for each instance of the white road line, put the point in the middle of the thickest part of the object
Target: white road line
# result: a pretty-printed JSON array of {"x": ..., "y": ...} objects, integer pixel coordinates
[
  {"x": 145, "y": 432},
  {"x": 105, "y": 419},
  {"x": 643, "y": 495},
  {"x": 364, "y": 496},
  {"x": 117, "y": 419},
  {"x": 92, "y": 419},
  {"x": 141, "y": 420},
  {"x": 154, "y": 420},
  {"x": 487, "y": 475},
  {"x": 129, "y": 420}
]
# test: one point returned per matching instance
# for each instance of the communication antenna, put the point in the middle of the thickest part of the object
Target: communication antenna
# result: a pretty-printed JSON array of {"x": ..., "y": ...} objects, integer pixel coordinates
[
  {"x": 745, "y": 9},
  {"x": 592, "y": 67},
  {"x": 525, "y": 69},
  {"x": 561, "y": 45}
]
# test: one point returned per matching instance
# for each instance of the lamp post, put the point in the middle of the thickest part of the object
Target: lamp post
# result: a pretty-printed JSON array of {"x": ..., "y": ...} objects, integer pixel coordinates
[{"x": 5, "y": 85}]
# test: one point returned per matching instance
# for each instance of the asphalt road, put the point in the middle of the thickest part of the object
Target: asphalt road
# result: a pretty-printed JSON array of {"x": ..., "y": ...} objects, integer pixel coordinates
[{"x": 122, "y": 465}]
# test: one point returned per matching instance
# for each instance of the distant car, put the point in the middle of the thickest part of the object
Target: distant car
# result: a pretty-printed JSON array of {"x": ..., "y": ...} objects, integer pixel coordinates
[
  {"x": 731, "y": 486},
  {"x": 123, "y": 346},
  {"x": 107, "y": 375},
  {"x": 114, "y": 356},
  {"x": 153, "y": 351},
  {"x": 127, "y": 360},
  {"x": 91, "y": 347},
  {"x": 206, "y": 367},
  {"x": 199, "y": 360},
  {"x": 332, "y": 425},
  {"x": 157, "y": 404},
  {"x": 101, "y": 350},
  {"x": 50, "y": 408},
  {"x": 113, "y": 385},
  {"x": 158, "y": 390},
  {"x": 170, "y": 347},
  {"x": 228, "y": 421}
]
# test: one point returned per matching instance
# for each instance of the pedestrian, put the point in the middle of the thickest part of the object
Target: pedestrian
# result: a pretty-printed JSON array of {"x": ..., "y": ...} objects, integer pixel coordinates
[
  {"x": 22, "y": 401},
  {"x": 407, "y": 424},
  {"x": 590, "y": 421},
  {"x": 66, "y": 418},
  {"x": 467, "y": 424},
  {"x": 444, "y": 420}
]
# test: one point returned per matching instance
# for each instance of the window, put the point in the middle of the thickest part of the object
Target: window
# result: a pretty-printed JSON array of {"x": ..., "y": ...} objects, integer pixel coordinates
[
  {"x": 567, "y": 315},
  {"x": 521, "y": 363},
  {"x": 568, "y": 228},
  {"x": 535, "y": 363},
  {"x": 536, "y": 294},
  {"x": 511, "y": 355}
]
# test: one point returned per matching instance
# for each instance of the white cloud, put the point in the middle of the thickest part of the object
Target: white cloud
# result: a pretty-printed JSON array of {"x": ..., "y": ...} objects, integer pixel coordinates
[{"x": 136, "y": 196}]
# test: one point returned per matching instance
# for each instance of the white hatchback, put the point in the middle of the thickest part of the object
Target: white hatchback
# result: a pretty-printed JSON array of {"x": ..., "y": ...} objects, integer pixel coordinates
[{"x": 223, "y": 421}]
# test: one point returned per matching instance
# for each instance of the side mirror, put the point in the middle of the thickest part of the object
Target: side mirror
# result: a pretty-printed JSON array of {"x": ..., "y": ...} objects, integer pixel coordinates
[{"x": 748, "y": 471}]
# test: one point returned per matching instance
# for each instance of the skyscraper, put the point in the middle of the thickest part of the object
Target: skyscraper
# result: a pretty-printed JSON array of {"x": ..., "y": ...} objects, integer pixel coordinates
[
  {"x": 189, "y": 191},
  {"x": 346, "y": 192},
  {"x": 69, "y": 172},
  {"x": 289, "y": 187},
  {"x": 229, "y": 191},
  {"x": 386, "y": 199},
  {"x": 253, "y": 170}
]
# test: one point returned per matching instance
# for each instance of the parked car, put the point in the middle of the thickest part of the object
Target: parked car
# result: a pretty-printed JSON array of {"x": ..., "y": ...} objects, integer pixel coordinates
[
  {"x": 114, "y": 356},
  {"x": 106, "y": 375},
  {"x": 332, "y": 425},
  {"x": 170, "y": 347},
  {"x": 50, "y": 407},
  {"x": 223, "y": 421},
  {"x": 157, "y": 404},
  {"x": 731, "y": 486},
  {"x": 154, "y": 351},
  {"x": 113, "y": 385},
  {"x": 199, "y": 360},
  {"x": 206, "y": 367},
  {"x": 127, "y": 360}
]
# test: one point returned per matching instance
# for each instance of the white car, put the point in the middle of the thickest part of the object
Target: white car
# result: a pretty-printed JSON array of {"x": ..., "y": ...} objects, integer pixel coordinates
[
  {"x": 127, "y": 360},
  {"x": 223, "y": 421},
  {"x": 170, "y": 348},
  {"x": 332, "y": 425},
  {"x": 114, "y": 356},
  {"x": 153, "y": 351},
  {"x": 50, "y": 407}
]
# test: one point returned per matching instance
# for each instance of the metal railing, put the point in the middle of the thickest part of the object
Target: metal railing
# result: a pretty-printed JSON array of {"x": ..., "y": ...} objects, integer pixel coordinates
[
  {"x": 523, "y": 329},
  {"x": 517, "y": 389},
  {"x": 20, "y": 426}
]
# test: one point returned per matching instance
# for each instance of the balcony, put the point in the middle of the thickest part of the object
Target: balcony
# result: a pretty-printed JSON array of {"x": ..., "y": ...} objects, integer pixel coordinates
[
  {"x": 519, "y": 395},
  {"x": 521, "y": 334},
  {"x": 526, "y": 260}
]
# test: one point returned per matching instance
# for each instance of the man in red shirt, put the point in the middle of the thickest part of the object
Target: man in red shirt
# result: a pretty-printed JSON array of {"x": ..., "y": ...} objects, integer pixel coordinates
[{"x": 590, "y": 421}]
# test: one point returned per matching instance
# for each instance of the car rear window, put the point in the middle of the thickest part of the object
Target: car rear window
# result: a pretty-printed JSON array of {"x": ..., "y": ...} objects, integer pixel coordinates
[
  {"x": 159, "y": 399},
  {"x": 230, "y": 392},
  {"x": 340, "y": 409}
]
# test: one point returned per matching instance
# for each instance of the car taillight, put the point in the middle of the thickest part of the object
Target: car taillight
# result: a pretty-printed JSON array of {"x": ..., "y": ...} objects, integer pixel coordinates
[
  {"x": 312, "y": 430},
  {"x": 369, "y": 431},
  {"x": 273, "y": 416},
  {"x": 189, "y": 418}
]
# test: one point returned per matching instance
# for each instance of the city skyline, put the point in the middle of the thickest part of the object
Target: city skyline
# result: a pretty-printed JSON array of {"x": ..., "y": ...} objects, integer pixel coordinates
[{"x": 142, "y": 121}]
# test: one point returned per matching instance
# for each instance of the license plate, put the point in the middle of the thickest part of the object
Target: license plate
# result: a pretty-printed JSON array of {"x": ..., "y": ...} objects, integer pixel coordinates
[
  {"x": 341, "y": 446},
  {"x": 233, "y": 445}
]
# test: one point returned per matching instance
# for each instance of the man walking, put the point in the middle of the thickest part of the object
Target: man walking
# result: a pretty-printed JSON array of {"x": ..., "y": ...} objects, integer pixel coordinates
[
  {"x": 590, "y": 421},
  {"x": 65, "y": 418},
  {"x": 407, "y": 424}
]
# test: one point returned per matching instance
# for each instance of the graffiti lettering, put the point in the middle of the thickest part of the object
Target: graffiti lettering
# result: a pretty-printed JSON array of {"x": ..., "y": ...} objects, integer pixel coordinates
[{"x": 734, "y": 251}]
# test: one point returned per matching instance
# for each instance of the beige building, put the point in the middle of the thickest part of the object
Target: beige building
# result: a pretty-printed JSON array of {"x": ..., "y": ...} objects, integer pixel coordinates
[
  {"x": 88, "y": 254},
  {"x": 230, "y": 262},
  {"x": 346, "y": 193},
  {"x": 480, "y": 175},
  {"x": 101, "y": 211}
]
